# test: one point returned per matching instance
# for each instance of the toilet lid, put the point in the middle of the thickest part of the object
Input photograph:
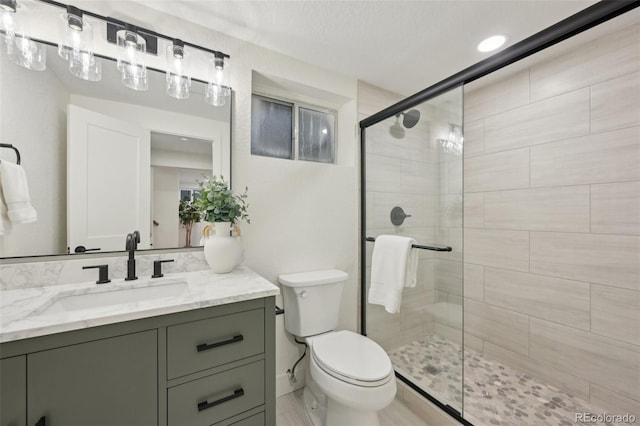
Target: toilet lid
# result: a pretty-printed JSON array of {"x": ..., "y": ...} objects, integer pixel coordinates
[{"x": 352, "y": 356}]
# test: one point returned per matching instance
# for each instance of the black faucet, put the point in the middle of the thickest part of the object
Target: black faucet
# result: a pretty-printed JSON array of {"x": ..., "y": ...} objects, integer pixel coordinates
[{"x": 131, "y": 245}]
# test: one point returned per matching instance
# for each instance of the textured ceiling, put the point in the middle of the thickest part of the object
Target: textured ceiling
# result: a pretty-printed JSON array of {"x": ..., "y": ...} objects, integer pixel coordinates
[{"x": 403, "y": 46}]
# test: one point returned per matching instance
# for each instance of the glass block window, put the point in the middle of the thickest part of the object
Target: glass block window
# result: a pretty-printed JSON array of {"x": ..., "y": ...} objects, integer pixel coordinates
[
  {"x": 286, "y": 129},
  {"x": 271, "y": 127},
  {"x": 316, "y": 130}
]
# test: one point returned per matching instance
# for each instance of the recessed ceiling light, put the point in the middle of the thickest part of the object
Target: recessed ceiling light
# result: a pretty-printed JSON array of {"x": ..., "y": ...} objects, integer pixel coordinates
[{"x": 491, "y": 43}]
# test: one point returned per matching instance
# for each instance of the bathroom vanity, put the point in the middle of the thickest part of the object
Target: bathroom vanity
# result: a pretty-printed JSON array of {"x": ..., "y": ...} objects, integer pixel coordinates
[{"x": 191, "y": 349}]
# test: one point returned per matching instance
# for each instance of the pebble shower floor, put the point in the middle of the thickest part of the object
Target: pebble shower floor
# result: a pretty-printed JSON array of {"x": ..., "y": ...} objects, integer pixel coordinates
[{"x": 494, "y": 394}]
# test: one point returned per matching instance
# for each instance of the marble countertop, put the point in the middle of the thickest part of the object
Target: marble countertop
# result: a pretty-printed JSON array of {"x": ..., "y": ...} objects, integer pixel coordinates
[{"x": 39, "y": 311}]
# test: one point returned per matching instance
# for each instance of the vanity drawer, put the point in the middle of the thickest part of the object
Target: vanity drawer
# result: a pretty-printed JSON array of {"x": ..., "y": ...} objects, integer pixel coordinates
[
  {"x": 255, "y": 420},
  {"x": 217, "y": 397},
  {"x": 198, "y": 345}
]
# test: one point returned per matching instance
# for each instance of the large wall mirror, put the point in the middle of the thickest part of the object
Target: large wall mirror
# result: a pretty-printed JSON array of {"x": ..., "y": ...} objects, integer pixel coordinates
[{"x": 102, "y": 160}]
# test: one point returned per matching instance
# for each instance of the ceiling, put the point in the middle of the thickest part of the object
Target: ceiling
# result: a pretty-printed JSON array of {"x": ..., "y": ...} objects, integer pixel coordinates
[{"x": 401, "y": 45}]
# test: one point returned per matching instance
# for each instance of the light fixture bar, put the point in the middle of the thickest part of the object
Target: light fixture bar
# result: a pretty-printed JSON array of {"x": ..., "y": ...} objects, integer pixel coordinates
[
  {"x": 142, "y": 31},
  {"x": 9, "y": 5}
]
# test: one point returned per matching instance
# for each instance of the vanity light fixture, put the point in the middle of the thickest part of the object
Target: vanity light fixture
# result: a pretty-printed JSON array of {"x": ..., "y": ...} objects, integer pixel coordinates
[
  {"x": 218, "y": 88},
  {"x": 19, "y": 47},
  {"x": 76, "y": 37},
  {"x": 76, "y": 45},
  {"x": 178, "y": 80},
  {"x": 492, "y": 43},
  {"x": 131, "y": 61}
]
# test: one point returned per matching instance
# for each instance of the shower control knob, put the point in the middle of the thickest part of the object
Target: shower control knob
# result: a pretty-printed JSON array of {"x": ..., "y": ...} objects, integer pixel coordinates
[{"x": 398, "y": 216}]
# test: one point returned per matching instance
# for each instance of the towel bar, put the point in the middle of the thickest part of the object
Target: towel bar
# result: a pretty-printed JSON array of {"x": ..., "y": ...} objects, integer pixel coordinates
[
  {"x": 419, "y": 246},
  {"x": 8, "y": 145}
]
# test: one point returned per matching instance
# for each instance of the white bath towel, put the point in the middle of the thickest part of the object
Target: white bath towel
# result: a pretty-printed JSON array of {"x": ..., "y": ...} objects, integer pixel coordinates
[
  {"x": 394, "y": 265},
  {"x": 16, "y": 193}
]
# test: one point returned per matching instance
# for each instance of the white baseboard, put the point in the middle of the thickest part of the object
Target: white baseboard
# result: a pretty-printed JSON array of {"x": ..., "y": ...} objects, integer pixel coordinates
[{"x": 284, "y": 386}]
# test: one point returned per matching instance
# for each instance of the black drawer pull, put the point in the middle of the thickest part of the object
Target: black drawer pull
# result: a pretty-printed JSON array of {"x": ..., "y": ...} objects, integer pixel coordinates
[
  {"x": 207, "y": 346},
  {"x": 236, "y": 394},
  {"x": 42, "y": 421}
]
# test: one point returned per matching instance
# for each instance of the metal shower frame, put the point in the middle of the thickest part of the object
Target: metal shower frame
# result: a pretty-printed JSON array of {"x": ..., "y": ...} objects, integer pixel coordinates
[{"x": 582, "y": 21}]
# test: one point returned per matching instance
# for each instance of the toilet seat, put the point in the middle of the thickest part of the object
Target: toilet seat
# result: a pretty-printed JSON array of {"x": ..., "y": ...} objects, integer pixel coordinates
[{"x": 352, "y": 358}]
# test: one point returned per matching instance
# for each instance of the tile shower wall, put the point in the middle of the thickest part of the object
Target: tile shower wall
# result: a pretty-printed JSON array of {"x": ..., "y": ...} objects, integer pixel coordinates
[
  {"x": 552, "y": 221},
  {"x": 396, "y": 177},
  {"x": 413, "y": 173}
]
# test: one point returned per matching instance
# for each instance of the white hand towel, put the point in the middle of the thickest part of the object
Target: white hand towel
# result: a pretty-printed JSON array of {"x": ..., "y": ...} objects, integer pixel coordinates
[
  {"x": 4, "y": 229},
  {"x": 5, "y": 225},
  {"x": 394, "y": 266},
  {"x": 16, "y": 193}
]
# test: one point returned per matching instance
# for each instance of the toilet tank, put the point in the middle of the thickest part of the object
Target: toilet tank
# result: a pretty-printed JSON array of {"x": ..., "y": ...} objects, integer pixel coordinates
[{"x": 312, "y": 301}]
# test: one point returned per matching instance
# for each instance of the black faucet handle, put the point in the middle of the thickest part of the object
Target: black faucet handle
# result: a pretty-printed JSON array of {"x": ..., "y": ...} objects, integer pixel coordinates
[
  {"x": 157, "y": 268},
  {"x": 103, "y": 273},
  {"x": 128, "y": 245}
]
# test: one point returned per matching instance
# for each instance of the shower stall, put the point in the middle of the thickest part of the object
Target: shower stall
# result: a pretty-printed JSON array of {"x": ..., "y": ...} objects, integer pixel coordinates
[{"x": 519, "y": 178}]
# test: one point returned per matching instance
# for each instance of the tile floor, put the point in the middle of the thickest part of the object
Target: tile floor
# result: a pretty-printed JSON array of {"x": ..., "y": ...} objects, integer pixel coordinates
[
  {"x": 494, "y": 394},
  {"x": 290, "y": 412}
]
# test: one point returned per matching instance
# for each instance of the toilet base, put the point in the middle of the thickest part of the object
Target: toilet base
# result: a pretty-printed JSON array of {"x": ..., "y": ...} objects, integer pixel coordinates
[
  {"x": 341, "y": 415},
  {"x": 314, "y": 407}
]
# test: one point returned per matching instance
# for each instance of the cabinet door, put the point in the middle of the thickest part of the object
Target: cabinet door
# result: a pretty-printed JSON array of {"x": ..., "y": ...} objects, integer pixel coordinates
[
  {"x": 13, "y": 391},
  {"x": 105, "y": 382}
]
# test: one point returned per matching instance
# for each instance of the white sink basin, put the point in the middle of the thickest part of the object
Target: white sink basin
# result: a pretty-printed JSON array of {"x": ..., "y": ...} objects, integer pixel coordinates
[{"x": 112, "y": 296}]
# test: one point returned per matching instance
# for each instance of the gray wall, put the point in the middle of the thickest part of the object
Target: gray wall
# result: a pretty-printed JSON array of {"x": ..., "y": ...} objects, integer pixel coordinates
[{"x": 28, "y": 93}]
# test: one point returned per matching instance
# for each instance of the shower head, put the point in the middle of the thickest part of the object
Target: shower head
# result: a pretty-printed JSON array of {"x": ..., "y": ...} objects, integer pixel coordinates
[{"x": 410, "y": 119}]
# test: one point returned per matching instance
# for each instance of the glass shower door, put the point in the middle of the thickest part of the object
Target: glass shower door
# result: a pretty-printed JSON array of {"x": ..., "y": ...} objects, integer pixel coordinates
[{"x": 414, "y": 163}]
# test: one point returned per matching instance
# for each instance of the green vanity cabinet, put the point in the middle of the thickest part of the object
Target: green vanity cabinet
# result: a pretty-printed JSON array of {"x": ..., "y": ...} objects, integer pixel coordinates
[
  {"x": 106, "y": 382},
  {"x": 13, "y": 391},
  {"x": 209, "y": 366}
]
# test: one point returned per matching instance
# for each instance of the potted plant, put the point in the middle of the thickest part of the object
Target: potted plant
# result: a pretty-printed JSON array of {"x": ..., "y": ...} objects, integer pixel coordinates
[
  {"x": 189, "y": 214},
  {"x": 218, "y": 205}
]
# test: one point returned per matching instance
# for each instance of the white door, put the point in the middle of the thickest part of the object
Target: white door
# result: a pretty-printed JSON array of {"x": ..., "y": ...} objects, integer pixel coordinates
[{"x": 108, "y": 181}]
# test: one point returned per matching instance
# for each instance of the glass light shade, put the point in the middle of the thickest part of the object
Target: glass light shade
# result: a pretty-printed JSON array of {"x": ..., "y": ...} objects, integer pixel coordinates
[
  {"x": 8, "y": 27},
  {"x": 75, "y": 35},
  {"x": 28, "y": 54},
  {"x": 217, "y": 95},
  {"x": 178, "y": 79},
  {"x": 131, "y": 61},
  {"x": 219, "y": 88},
  {"x": 135, "y": 77},
  {"x": 86, "y": 66},
  {"x": 455, "y": 134}
]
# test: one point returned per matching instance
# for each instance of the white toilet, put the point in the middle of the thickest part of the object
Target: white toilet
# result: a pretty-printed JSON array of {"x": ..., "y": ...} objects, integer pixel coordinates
[{"x": 349, "y": 377}]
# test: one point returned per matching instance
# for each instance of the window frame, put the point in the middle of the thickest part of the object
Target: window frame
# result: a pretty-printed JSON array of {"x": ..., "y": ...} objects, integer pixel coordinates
[{"x": 295, "y": 124}]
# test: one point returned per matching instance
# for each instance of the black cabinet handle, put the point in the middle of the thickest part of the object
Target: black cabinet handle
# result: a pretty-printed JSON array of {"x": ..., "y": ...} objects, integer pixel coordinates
[
  {"x": 83, "y": 249},
  {"x": 42, "y": 421},
  {"x": 207, "y": 346},
  {"x": 205, "y": 404}
]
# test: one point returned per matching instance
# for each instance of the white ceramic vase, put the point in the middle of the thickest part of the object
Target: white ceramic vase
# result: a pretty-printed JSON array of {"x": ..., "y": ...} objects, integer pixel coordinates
[{"x": 222, "y": 251}]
